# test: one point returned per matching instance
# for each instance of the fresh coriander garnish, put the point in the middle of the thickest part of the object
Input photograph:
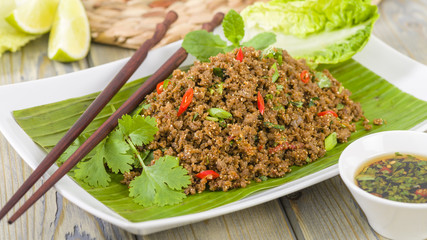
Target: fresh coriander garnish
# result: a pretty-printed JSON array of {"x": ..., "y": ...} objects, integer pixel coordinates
[{"x": 159, "y": 184}]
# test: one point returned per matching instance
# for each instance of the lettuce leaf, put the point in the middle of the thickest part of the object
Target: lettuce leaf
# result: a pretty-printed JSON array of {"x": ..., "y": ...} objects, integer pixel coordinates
[{"x": 321, "y": 31}]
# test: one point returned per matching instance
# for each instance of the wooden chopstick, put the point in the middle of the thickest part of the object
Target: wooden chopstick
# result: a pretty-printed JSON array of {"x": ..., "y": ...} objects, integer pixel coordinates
[
  {"x": 162, "y": 73},
  {"x": 97, "y": 105}
]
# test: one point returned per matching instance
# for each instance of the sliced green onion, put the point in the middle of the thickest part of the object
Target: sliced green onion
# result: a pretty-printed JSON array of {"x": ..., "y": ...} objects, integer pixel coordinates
[
  {"x": 275, "y": 74},
  {"x": 331, "y": 141},
  {"x": 220, "y": 87},
  {"x": 219, "y": 113},
  {"x": 276, "y": 126},
  {"x": 209, "y": 118},
  {"x": 166, "y": 83}
]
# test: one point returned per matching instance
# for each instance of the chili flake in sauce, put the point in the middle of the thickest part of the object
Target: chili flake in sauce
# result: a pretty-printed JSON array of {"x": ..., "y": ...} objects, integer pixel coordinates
[{"x": 398, "y": 177}]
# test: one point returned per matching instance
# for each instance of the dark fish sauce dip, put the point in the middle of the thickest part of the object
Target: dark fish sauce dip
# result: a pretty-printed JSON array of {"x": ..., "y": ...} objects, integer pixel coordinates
[{"x": 398, "y": 177}]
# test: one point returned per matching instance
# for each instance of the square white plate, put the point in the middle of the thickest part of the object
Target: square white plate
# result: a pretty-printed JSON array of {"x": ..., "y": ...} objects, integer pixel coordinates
[{"x": 405, "y": 73}]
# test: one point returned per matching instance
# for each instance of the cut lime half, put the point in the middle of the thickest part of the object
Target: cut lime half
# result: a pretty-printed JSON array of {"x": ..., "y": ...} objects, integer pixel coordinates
[{"x": 69, "y": 38}]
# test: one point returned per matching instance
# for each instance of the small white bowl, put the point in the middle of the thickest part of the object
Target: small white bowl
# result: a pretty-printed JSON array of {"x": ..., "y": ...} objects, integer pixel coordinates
[{"x": 391, "y": 219}]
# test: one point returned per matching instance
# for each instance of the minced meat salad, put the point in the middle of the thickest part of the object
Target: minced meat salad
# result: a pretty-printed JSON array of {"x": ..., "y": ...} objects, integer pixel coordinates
[{"x": 247, "y": 116}]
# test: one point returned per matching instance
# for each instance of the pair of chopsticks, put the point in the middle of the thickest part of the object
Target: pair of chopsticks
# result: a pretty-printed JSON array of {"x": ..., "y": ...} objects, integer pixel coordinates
[{"x": 97, "y": 105}]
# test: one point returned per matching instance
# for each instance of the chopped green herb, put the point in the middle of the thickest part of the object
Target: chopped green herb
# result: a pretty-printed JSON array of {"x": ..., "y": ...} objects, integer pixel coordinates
[
  {"x": 340, "y": 106},
  {"x": 269, "y": 96},
  {"x": 273, "y": 53},
  {"x": 312, "y": 102},
  {"x": 399, "y": 177},
  {"x": 276, "y": 126},
  {"x": 322, "y": 80},
  {"x": 297, "y": 104},
  {"x": 166, "y": 83},
  {"x": 220, "y": 87},
  {"x": 219, "y": 72},
  {"x": 279, "y": 87},
  {"x": 279, "y": 107},
  {"x": 263, "y": 178},
  {"x": 195, "y": 116}
]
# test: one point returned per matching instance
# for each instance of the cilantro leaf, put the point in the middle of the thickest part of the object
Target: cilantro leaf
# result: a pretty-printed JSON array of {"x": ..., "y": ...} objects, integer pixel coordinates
[
  {"x": 116, "y": 153},
  {"x": 160, "y": 184},
  {"x": 234, "y": 27},
  {"x": 71, "y": 149},
  {"x": 93, "y": 171},
  {"x": 203, "y": 44},
  {"x": 141, "y": 130},
  {"x": 261, "y": 41}
]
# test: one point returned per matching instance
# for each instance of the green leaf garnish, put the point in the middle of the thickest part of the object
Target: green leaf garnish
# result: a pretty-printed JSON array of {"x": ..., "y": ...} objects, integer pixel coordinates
[
  {"x": 140, "y": 129},
  {"x": 273, "y": 125},
  {"x": 160, "y": 184},
  {"x": 273, "y": 53},
  {"x": 93, "y": 171},
  {"x": 322, "y": 80},
  {"x": 219, "y": 72},
  {"x": 261, "y": 41},
  {"x": 203, "y": 44},
  {"x": 234, "y": 27},
  {"x": 297, "y": 104}
]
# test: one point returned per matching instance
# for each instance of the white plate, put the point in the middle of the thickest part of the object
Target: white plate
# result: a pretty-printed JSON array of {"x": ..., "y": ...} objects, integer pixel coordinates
[{"x": 406, "y": 74}]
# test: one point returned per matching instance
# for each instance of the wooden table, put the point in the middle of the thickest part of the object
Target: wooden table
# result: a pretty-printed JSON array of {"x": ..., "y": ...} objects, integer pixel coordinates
[{"x": 324, "y": 211}]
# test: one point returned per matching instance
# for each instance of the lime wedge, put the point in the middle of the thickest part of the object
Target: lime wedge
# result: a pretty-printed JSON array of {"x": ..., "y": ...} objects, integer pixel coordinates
[
  {"x": 6, "y": 8},
  {"x": 34, "y": 16},
  {"x": 69, "y": 38}
]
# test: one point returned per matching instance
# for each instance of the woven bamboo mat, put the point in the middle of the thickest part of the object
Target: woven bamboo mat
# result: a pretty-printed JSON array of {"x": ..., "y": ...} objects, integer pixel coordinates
[{"x": 128, "y": 23}]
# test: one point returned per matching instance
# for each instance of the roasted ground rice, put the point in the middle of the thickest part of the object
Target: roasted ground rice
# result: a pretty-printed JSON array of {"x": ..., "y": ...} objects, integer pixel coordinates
[{"x": 248, "y": 146}]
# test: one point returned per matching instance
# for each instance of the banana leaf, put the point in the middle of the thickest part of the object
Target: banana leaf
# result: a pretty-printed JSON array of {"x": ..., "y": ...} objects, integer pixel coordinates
[{"x": 379, "y": 99}]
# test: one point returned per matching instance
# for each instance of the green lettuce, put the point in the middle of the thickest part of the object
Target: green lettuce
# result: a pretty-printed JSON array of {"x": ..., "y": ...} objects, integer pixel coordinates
[{"x": 321, "y": 31}]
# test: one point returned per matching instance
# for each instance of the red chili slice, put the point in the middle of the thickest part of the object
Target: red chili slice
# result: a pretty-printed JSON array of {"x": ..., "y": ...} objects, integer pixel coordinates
[
  {"x": 421, "y": 192},
  {"x": 209, "y": 174},
  {"x": 386, "y": 169},
  {"x": 186, "y": 100},
  {"x": 327, "y": 112},
  {"x": 239, "y": 55},
  {"x": 281, "y": 147},
  {"x": 305, "y": 76},
  {"x": 159, "y": 87},
  {"x": 261, "y": 105}
]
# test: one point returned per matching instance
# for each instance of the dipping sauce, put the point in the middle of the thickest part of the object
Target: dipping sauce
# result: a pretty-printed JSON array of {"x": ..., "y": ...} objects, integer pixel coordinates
[{"x": 398, "y": 177}]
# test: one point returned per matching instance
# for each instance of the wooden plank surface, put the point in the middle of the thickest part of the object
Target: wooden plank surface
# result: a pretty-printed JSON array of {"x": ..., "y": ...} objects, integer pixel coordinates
[{"x": 324, "y": 211}]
